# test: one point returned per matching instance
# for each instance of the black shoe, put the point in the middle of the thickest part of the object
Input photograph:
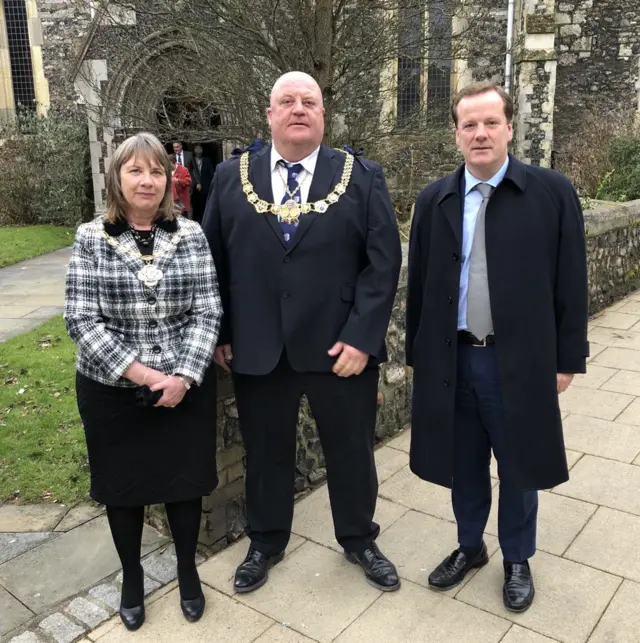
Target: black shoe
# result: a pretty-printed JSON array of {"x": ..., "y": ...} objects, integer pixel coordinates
[
  {"x": 379, "y": 571},
  {"x": 518, "y": 590},
  {"x": 132, "y": 617},
  {"x": 193, "y": 609},
  {"x": 452, "y": 570},
  {"x": 253, "y": 572}
]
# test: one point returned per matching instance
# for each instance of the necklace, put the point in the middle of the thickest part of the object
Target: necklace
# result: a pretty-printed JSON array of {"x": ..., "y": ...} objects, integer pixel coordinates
[
  {"x": 149, "y": 275},
  {"x": 290, "y": 211},
  {"x": 144, "y": 240}
]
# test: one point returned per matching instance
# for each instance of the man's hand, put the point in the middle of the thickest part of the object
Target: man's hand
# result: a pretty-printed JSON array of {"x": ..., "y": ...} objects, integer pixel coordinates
[
  {"x": 351, "y": 360},
  {"x": 564, "y": 379},
  {"x": 223, "y": 356}
]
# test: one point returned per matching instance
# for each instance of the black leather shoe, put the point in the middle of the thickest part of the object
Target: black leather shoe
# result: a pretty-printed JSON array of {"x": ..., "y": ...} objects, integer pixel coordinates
[
  {"x": 379, "y": 571},
  {"x": 253, "y": 572},
  {"x": 452, "y": 570},
  {"x": 518, "y": 590},
  {"x": 132, "y": 617},
  {"x": 193, "y": 609}
]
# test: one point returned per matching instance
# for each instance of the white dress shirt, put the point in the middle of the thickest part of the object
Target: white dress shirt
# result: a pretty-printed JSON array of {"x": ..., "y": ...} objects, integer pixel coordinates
[{"x": 305, "y": 177}]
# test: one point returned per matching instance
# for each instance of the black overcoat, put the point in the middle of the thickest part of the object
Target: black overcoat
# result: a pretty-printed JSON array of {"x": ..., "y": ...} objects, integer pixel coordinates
[{"x": 536, "y": 262}]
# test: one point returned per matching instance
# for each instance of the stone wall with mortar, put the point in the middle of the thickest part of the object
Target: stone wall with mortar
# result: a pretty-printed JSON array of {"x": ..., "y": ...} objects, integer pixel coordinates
[
  {"x": 613, "y": 250},
  {"x": 598, "y": 47}
]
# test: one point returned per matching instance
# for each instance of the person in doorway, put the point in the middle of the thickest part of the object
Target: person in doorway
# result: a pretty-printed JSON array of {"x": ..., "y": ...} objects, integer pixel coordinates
[
  {"x": 201, "y": 177},
  {"x": 180, "y": 186},
  {"x": 183, "y": 157},
  {"x": 143, "y": 306},
  {"x": 305, "y": 241},
  {"x": 497, "y": 312}
]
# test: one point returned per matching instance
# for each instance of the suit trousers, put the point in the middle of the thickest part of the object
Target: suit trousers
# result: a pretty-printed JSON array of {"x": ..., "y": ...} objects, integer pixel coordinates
[
  {"x": 345, "y": 413},
  {"x": 480, "y": 426}
]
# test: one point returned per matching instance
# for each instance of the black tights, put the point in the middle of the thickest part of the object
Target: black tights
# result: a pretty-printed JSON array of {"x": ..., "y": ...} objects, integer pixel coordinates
[{"x": 126, "y": 529}]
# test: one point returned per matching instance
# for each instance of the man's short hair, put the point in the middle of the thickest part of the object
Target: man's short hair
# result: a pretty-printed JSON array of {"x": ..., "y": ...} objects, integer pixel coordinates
[{"x": 475, "y": 89}]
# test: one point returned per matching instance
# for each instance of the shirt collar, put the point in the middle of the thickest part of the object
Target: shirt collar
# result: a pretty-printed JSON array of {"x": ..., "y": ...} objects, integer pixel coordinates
[
  {"x": 471, "y": 181},
  {"x": 308, "y": 163}
]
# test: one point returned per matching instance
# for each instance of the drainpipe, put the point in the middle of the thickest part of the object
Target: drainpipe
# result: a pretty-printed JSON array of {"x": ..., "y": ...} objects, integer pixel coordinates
[{"x": 507, "y": 66}]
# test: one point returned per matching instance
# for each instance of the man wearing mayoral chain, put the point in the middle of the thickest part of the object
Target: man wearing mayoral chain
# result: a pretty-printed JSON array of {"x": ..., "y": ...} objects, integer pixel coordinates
[{"x": 307, "y": 250}]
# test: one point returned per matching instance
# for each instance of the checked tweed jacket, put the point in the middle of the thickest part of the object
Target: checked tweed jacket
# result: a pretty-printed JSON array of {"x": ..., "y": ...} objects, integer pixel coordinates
[{"x": 115, "y": 319}]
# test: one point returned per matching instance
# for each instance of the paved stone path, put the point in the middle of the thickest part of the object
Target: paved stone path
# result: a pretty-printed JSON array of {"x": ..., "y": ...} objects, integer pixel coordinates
[
  {"x": 31, "y": 292},
  {"x": 59, "y": 572}
]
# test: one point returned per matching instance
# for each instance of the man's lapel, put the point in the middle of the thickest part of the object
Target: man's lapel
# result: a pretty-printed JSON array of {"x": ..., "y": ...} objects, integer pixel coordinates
[
  {"x": 324, "y": 179},
  {"x": 260, "y": 177}
]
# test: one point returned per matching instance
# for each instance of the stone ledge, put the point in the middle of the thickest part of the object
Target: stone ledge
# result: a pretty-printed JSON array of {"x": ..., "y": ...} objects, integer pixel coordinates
[{"x": 606, "y": 217}]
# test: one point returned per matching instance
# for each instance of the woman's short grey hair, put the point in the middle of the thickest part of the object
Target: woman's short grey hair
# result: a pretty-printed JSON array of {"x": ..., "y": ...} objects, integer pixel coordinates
[{"x": 143, "y": 145}]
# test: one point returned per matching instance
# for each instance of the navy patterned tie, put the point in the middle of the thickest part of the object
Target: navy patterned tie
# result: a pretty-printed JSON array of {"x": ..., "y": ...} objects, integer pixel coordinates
[{"x": 293, "y": 172}]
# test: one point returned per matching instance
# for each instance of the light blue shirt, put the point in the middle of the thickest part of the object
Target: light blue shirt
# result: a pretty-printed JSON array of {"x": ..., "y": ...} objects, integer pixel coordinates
[{"x": 472, "y": 203}]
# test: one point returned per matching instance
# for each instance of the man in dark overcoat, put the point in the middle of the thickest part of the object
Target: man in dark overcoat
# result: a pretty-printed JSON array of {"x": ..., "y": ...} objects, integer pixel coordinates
[
  {"x": 496, "y": 327},
  {"x": 307, "y": 250}
]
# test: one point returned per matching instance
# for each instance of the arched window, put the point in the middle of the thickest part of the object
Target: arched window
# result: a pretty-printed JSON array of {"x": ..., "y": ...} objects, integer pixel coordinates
[{"x": 17, "y": 26}]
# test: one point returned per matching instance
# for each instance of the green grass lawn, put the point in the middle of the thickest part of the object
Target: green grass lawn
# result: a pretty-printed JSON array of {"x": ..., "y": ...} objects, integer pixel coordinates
[
  {"x": 19, "y": 243},
  {"x": 42, "y": 449}
]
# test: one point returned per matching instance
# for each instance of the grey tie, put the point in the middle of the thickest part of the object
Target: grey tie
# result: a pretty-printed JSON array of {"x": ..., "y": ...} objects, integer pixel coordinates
[{"x": 479, "y": 320}]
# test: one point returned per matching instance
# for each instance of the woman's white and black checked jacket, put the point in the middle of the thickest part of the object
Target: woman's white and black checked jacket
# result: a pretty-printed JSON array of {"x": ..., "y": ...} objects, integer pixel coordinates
[{"x": 115, "y": 319}]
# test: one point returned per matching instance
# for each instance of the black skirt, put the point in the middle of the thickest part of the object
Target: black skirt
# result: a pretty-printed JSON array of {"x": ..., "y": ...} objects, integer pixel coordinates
[{"x": 143, "y": 456}]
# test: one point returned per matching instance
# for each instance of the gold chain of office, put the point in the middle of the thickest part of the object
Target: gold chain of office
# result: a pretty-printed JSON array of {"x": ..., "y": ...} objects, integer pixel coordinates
[{"x": 290, "y": 211}]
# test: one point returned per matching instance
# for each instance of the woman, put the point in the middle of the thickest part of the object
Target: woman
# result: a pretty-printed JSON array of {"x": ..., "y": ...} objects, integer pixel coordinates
[
  {"x": 143, "y": 306},
  {"x": 180, "y": 186}
]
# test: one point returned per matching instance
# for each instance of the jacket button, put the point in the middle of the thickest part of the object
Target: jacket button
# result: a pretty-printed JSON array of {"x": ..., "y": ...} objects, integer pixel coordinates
[
  {"x": 287, "y": 259},
  {"x": 156, "y": 349},
  {"x": 456, "y": 256},
  {"x": 285, "y": 294},
  {"x": 153, "y": 323},
  {"x": 450, "y": 299},
  {"x": 446, "y": 382},
  {"x": 448, "y": 341}
]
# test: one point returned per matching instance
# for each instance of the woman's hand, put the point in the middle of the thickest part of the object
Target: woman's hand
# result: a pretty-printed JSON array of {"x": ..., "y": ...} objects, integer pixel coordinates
[{"x": 173, "y": 390}]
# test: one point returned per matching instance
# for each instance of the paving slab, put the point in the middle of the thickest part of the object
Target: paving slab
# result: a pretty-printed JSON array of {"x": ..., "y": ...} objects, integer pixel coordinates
[
  {"x": 87, "y": 611},
  {"x": 67, "y": 565},
  {"x": 613, "y": 440},
  {"x": 61, "y": 629},
  {"x": 610, "y": 542},
  {"x": 631, "y": 414},
  {"x": 389, "y": 461},
  {"x": 418, "y": 615},
  {"x": 621, "y": 621},
  {"x": 631, "y": 307},
  {"x": 26, "y": 637},
  {"x": 560, "y": 520},
  {"x": 570, "y": 598},
  {"x": 219, "y": 571},
  {"x": 279, "y": 633},
  {"x": 45, "y": 312},
  {"x": 15, "y": 544},
  {"x": 78, "y": 516},
  {"x": 616, "y": 319},
  {"x": 12, "y": 612},
  {"x": 594, "y": 349},
  {"x": 623, "y": 339},
  {"x": 312, "y": 518},
  {"x": 519, "y": 634},
  {"x": 418, "y": 543},
  {"x": 598, "y": 404},
  {"x": 16, "y": 311},
  {"x": 316, "y": 591},
  {"x": 224, "y": 619},
  {"x": 604, "y": 482},
  {"x": 16, "y": 518},
  {"x": 595, "y": 376},
  {"x": 402, "y": 442},
  {"x": 623, "y": 382},
  {"x": 106, "y": 593}
]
